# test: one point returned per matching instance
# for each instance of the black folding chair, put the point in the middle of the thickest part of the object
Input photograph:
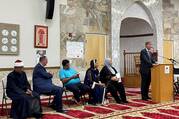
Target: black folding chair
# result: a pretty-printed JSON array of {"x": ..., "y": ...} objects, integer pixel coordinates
[
  {"x": 45, "y": 95},
  {"x": 49, "y": 98},
  {"x": 66, "y": 96},
  {"x": 4, "y": 98}
]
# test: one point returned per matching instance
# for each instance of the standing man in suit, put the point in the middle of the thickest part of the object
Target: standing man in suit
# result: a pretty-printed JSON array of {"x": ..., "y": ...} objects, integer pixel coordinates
[
  {"x": 147, "y": 63},
  {"x": 42, "y": 83}
]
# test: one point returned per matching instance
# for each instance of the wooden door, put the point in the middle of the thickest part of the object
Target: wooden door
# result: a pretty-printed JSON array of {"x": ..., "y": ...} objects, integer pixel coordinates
[
  {"x": 167, "y": 50},
  {"x": 95, "y": 48}
]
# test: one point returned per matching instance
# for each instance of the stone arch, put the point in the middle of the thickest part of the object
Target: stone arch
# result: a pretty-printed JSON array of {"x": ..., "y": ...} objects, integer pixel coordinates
[
  {"x": 143, "y": 13},
  {"x": 134, "y": 32}
]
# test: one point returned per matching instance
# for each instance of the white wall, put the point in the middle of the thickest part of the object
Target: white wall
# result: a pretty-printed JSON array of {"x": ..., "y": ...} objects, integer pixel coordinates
[{"x": 28, "y": 13}]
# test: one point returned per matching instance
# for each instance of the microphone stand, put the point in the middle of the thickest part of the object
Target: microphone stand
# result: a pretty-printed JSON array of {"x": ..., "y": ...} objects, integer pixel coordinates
[{"x": 173, "y": 61}]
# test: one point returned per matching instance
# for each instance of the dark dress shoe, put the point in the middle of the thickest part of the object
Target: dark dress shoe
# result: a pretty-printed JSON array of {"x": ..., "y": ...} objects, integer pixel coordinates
[
  {"x": 38, "y": 116},
  {"x": 149, "y": 98},
  {"x": 92, "y": 103},
  {"x": 145, "y": 99},
  {"x": 62, "y": 111},
  {"x": 125, "y": 101},
  {"x": 120, "y": 102},
  {"x": 53, "y": 107}
]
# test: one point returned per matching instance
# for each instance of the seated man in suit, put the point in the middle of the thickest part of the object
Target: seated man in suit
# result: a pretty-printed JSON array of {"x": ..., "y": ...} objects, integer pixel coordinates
[
  {"x": 25, "y": 102},
  {"x": 71, "y": 81},
  {"x": 42, "y": 83}
]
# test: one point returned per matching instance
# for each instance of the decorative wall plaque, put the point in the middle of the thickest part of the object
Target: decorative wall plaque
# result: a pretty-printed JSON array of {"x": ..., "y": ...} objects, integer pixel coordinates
[
  {"x": 9, "y": 39},
  {"x": 41, "y": 37}
]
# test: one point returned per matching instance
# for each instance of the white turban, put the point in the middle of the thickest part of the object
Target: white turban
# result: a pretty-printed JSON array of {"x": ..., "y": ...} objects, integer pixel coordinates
[{"x": 18, "y": 63}]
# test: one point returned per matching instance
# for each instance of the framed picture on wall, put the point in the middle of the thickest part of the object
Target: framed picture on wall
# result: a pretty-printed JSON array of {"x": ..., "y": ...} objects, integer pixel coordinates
[
  {"x": 41, "y": 36},
  {"x": 9, "y": 39}
]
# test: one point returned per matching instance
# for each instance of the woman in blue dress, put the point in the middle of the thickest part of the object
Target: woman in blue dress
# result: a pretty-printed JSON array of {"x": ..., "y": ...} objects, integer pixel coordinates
[{"x": 93, "y": 81}]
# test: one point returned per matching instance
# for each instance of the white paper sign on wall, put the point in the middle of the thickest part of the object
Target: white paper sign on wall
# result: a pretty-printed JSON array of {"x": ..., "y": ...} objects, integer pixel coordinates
[
  {"x": 167, "y": 69},
  {"x": 75, "y": 49}
]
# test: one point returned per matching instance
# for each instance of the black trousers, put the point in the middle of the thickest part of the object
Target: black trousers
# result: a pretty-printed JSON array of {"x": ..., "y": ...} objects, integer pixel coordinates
[
  {"x": 114, "y": 88},
  {"x": 57, "y": 92},
  {"x": 78, "y": 90},
  {"x": 145, "y": 84}
]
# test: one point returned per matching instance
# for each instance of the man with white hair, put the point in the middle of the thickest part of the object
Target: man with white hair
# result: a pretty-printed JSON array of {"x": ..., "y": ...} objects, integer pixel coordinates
[
  {"x": 25, "y": 102},
  {"x": 147, "y": 62},
  {"x": 42, "y": 84}
]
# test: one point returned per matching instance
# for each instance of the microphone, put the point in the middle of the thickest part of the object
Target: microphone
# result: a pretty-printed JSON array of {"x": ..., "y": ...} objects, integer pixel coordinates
[
  {"x": 173, "y": 60},
  {"x": 170, "y": 59},
  {"x": 164, "y": 57}
]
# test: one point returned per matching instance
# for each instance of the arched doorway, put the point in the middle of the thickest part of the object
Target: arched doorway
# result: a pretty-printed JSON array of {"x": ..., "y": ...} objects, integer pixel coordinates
[
  {"x": 134, "y": 33},
  {"x": 133, "y": 9},
  {"x": 135, "y": 25}
]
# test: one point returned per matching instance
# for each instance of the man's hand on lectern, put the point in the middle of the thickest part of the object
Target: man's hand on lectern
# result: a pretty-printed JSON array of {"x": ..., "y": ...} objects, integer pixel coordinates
[{"x": 155, "y": 64}]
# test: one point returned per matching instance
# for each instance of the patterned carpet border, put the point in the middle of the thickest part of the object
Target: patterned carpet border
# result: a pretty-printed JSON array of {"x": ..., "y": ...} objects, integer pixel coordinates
[
  {"x": 151, "y": 108},
  {"x": 135, "y": 109}
]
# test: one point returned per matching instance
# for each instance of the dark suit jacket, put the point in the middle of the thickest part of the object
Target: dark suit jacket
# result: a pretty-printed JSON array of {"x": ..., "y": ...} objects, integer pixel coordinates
[
  {"x": 146, "y": 62},
  {"x": 42, "y": 80}
]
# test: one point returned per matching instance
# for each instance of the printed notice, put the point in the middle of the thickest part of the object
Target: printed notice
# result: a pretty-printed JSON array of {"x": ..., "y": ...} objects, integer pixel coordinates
[{"x": 75, "y": 49}]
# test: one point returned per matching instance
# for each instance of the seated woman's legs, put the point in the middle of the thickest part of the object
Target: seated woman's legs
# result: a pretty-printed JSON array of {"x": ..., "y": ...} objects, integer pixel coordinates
[
  {"x": 112, "y": 89},
  {"x": 121, "y": 90},
  {"x": 99, "y": 94},
  {"x": 95, "y": 95}
]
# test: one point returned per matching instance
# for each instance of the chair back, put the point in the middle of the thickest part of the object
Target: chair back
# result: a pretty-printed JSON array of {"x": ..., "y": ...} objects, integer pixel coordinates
[
  {"x": 176, "y": 70},
  {"x": 4, "y": 81},
  {"x": 82, "y": 76}
]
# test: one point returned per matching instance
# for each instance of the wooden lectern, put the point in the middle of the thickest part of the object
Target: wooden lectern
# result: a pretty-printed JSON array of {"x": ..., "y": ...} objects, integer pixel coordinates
[{"x": 162, "y": 83}]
